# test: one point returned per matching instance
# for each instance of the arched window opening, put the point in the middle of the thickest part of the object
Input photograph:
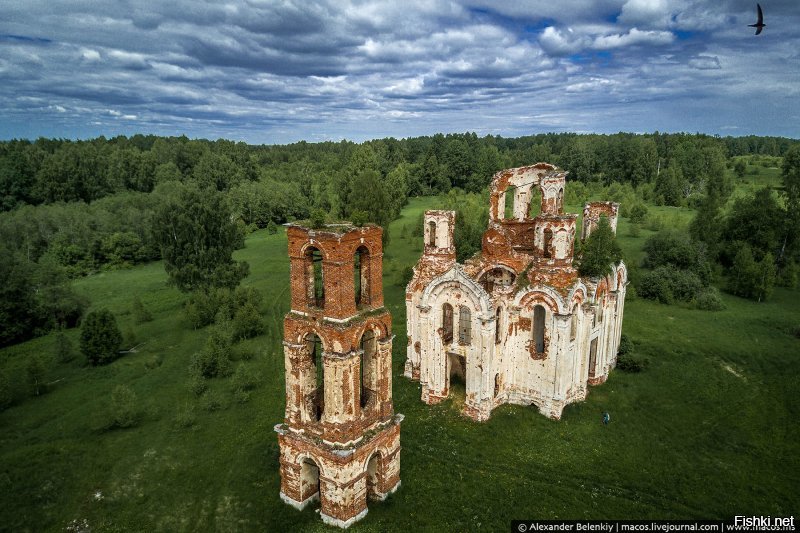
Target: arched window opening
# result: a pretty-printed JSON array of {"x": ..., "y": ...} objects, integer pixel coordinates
[
  {"x": 317, "y": 399},
  {"x": 315, "y": 282},
  {"x": 573, "y": 328},
  {"x": 447, "y": 323},
  {"x": 497, "y": 277},
  {"x": 509, "y": 203},
  {"x": 432, "y": 233},
  {"x": 548, "y": 243},
  {"x": 560, "y": 205},
  {"x": 535, "y": 206},
  {"x": 592, "y": 357},
  {"x": 369, "y": 367},
  {"x": 600, "y": 310},
  {"x": 497, "y": 327},
  {"x": 361, "y": 276},
  {"x": 496, "y": 385},
  {"x": 538, "y": 328},
  {"x": 464, "y": 326}
]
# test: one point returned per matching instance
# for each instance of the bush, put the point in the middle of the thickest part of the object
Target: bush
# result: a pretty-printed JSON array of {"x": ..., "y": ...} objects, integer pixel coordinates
[
  {"x": 63, "y": 349},
  {"x": 318, "y": 219},
  {"x": 140, "y": 313},
  {"x": 35, "y": 369},
  {"x": 638, "y": 213},
  {"x": 186, "y": 417},
  {"x": 272, "y": 228},
  {"x": 677, "y": 249},
  {"x": 632, "y": 363},
  {"x": 709, "y": 300},
  {"x": 406, "y": 275},
  {"x": 625, "y": 345},
  {"x": 245, "y": 378},
  {"x": 123, "y": 407},
  {"x": 667, "y": 283},
  {"x": 213, "y": 402},
  {"x": 202, "y": 306},
  {"x": 215, "y": 359},
  {"x": 100, "y": 337},
  {"x": 247, "y": 323},
  {"x": 197, "y": 384},
  {"x": 359, "y": 217},
  {"x": 794, "y": 331}
]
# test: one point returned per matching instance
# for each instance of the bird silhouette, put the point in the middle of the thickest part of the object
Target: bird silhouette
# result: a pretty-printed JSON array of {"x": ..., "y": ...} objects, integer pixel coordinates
[{"x": 760, "y": 24}]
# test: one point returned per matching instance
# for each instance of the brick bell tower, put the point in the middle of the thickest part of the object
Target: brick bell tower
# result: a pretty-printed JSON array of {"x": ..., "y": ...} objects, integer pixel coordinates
[{"x": 340, "y": 440}]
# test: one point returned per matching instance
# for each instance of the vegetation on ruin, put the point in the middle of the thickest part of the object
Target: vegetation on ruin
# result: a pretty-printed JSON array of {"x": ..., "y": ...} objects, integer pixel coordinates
[{"x": 706, "y": 429}]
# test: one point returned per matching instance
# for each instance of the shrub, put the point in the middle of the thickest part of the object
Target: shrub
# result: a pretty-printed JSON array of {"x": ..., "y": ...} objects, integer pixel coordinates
[
  {"x": 35, "y": 369},
  {"x": 63, "y": 349},
  {"x": 272, "y": 228},
  {"x": 197, "y": 384},
  {"x": 215, "y": 359},
  {"x": 625, "y": 345},
  {"x": 632, "y": 363},
  {"x": 667, "y": 283},
  {"x": 406, "y": 275},
  {"x": 794, "y": 331},
  {"x": 359, "y": 217},
  {"x": 140, "y": 313},
  {"x": 677, "y": 249},
  {"x": 213, "y": 402},
  {"x": 202, "y": 306},
  {"x": 123, "y": 407},
  {"x": 245, "y": 378},
  {"x": 100, "y": 337},
  {"x": 186, "y": 417},
  {"x": 247, "y": 323},
  {"x": 638, "y": 213},
  {"x": 709, "y": 300},
  {"x": 317, "y": 219},
  {"x": 654, "y": 286}
]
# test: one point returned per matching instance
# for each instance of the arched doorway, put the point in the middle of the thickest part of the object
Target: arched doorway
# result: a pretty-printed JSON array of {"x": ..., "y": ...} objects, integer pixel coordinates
[
  {"x": 374, "y": 472},
  {"x": 309, "y": 480}
]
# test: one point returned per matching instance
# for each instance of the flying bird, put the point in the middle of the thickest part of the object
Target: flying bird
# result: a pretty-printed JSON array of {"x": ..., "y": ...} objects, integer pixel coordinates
[{"x": 760, "y": 24}]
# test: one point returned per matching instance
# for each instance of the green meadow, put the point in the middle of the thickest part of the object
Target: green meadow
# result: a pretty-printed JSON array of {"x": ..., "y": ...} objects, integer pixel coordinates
[{"x": 708, "y": 430}]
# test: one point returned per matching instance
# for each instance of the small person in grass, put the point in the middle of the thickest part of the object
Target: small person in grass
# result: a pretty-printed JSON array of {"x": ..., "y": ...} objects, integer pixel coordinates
[{"x": 606, "y": 418}]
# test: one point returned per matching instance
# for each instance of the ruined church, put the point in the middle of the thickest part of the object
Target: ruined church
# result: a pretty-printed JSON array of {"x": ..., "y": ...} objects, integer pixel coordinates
[
  {"x": 516, "y": 323},
  {"x": 340, "y": 439}
]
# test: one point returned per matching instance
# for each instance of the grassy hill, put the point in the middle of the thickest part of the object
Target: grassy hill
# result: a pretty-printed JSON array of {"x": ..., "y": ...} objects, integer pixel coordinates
[{"x": 709, "y": 430}]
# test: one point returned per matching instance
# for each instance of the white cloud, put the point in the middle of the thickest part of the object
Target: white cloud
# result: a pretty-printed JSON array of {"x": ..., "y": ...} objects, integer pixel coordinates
[
  {"x": 633, "y": 37},
  {"x": 705, "y": 62}
]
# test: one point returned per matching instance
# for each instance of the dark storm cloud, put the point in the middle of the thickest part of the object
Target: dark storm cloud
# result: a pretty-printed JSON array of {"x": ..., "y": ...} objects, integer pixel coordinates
[{"x": 279, "y": 71}]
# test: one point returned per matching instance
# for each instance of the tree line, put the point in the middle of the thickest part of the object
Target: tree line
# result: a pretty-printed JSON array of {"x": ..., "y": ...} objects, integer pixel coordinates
[{"x": 68, "y": 208}]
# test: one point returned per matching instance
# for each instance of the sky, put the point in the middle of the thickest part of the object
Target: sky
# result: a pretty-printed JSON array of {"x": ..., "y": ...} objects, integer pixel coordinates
[{"x": 276, "y": 72}]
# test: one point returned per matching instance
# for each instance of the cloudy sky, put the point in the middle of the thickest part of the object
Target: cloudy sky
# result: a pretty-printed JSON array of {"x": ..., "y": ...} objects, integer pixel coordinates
[{"x": 282, "y": 71}]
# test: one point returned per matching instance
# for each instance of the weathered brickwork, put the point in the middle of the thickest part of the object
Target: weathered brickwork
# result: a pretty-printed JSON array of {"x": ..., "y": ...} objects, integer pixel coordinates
[
  {"x": 516, "y": 322},
  {"x": 340, "y": 439}
]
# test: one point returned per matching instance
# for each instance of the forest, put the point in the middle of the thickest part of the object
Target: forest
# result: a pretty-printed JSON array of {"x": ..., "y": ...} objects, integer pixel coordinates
[{"x": 72, "y": 208}]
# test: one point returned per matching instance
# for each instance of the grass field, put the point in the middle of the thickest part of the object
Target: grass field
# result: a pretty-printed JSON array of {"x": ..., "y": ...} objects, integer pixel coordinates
[{"x": 709, "y": 430}]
